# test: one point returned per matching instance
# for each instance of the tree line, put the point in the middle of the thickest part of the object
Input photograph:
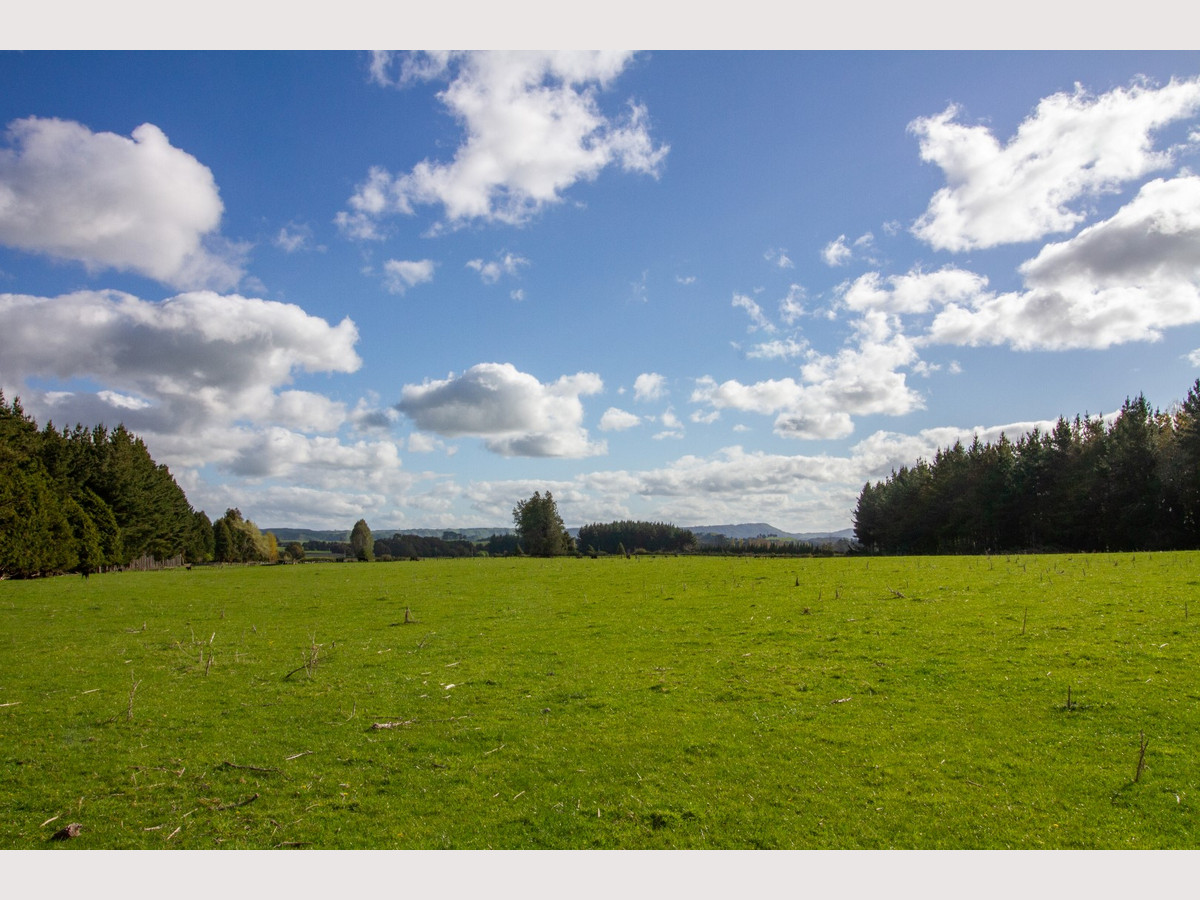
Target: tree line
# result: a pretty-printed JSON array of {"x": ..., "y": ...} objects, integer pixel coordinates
[
  {"x": 628, "y": 536},
  {"x": 1133, "y": 484},
  {"x": 83, "y": 500},
  {"x": 237, "y": 540}
]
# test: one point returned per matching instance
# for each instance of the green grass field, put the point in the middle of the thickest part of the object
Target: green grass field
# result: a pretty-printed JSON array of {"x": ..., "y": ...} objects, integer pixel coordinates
[{"x": 613, "y": 703}]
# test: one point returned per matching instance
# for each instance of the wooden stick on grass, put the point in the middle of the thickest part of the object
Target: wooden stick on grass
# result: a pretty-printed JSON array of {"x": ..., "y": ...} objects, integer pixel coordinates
[
  {"x": 238, "y": 803},
  {"x": 230, "y": 765},
  {"x": 1141, "y": 757}
]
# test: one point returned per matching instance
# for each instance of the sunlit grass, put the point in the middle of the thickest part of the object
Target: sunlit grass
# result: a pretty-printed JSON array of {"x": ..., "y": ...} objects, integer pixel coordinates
[{"x": 576, "y": 703}]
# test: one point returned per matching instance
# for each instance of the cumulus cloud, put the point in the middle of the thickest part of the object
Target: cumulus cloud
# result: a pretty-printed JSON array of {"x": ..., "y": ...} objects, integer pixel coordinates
[
  {"x": 1073, "y": 147},
  {"x": 532, "y": 125},
  {"x": 837, "y": 252},
  {"x": 367, "y": 416},
  {"x": 202, "y": 346},
  {"x": 1127, "y": 278},
  {"x": 913, "y": 292},
  {"x": 649, "y": 386},
  {"x": 135, "y": 204},
  {"x": 618, "y": 420},
  {"x": 401, "y": 274},
  {"x": 204, "y": 378},
  {"x": 758, "y": 319},
  {"x": 491, "y": 272},
  {"x": 733, "y": 472},
  {"x": 672, "y": 426},
  {"x": 857, "y": 381},
  {"x": 283, "y": 453},
  {"x": 419, "y": 442},
  {"x": 512, "y": 411}
]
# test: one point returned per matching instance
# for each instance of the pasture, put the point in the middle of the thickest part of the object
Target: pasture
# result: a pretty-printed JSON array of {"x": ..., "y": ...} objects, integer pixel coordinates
[{"x": 921, "y": 703}]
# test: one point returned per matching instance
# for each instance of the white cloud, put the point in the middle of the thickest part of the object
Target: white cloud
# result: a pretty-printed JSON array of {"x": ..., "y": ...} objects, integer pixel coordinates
[
  {"x": 533, "y": 128},
  {"x": 401, "y": 274},
  {"x": 419, "y": 442},
  {"x": 618, "y": 420},
  {"x": 791, "y": 307},
  {"x": 368, "y": 416},
  {"x": 754, "y": 311},
  {"x": 292, "y": 238},
  {"x": 1125, "y": 279},
  {"x": 913, "y": 292},
  {"x": 649, "y": 386},
  {"x": 685, "y": 279},
  {"x": 884, "y": 451},
  {"x": 784, "y": 349},
  {"x": 198, "y": 348},
  {"x": 857, "y": 381},
  {"x": 837, "y": 252},
  {"x": 132, "y": 204},
  {"x": 672, "y": 426},
  {"x": 112, "y": 398},
  {"x": 281, "y": 453},
  {"x": 306, "y": 411},
  {"x": 779, "y": 258},
  {"x": 1073, "y": 147},
  {"x": 490, "y": 272},
  {"x": 422, "y": 66},
  {"x": 203, "y": 378},
  {"x": 512, "y": 411}
]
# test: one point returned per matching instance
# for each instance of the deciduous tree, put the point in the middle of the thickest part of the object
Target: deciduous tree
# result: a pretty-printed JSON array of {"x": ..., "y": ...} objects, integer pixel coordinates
[
  {"x": 540, "y": 528},
  {"x": 362, "y": 544}
]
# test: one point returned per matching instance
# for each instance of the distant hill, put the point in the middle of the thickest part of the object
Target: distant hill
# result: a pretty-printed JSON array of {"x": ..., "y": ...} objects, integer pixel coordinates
[
  {"x": 287, "y": 535},
  {"x": 744, "y": 531},
  {"x": 747, "y": 531},
  {"x": 284, "y": 535}
]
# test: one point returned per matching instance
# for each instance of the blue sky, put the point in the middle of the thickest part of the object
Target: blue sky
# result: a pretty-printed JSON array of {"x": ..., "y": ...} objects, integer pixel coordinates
[{"x": 672, "y": 285}]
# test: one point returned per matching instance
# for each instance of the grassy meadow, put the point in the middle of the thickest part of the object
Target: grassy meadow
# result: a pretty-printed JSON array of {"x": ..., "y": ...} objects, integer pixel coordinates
[{"x": 575, "y": 703}]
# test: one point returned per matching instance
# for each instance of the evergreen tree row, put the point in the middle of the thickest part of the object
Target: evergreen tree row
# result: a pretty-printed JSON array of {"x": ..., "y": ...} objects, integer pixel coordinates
[
  {"x": 84, "y": 500},
  {"x": 414, "y": 546},
  {"x": 622, "y": 537},
  {"x": 1083, "y": 486}
]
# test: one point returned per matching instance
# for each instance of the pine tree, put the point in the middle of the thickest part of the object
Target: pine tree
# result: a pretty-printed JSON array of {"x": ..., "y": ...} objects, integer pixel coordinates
[{"x": 222, "y": 541}]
